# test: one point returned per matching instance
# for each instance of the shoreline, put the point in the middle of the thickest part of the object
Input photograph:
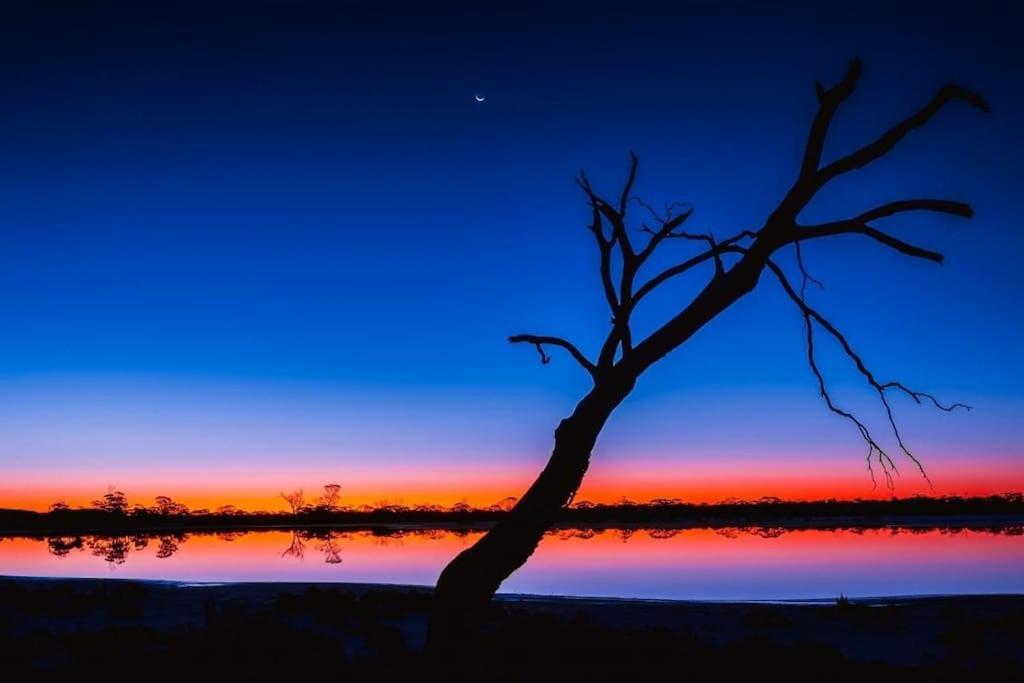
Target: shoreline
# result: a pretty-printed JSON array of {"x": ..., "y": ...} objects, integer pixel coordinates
[
  {"x": 988, "y": 522},
  {"x": 513, "y": 598},
  {"x": 378, "y": 631}
]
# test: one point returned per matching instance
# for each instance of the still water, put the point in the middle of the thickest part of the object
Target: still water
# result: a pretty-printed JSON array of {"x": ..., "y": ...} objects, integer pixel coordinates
[{"x": 698, "y": 564}]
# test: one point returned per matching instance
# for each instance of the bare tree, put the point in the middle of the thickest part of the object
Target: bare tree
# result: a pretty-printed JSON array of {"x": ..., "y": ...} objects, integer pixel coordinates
[
  {"x": 296, "y": 500},
  {"x": 330, "y": 498},
  {"x": 736, "y": 264}
]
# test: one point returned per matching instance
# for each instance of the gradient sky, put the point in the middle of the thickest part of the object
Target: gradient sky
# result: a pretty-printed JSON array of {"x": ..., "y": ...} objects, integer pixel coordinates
[{"x": 251, "y": 247}]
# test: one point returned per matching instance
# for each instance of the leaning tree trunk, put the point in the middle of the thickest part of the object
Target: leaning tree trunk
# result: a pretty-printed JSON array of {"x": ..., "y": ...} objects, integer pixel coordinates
[{"x": 466, "y": 586}]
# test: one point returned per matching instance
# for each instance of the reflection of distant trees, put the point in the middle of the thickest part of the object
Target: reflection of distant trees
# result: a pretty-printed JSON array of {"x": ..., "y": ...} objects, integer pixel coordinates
[
  {"x": 331, "y": 549},
  {"x": 663, "y": 533},
  {"x": 585, "y": 534},
  {"x": 768, "y": 532},
  {"x": 387, "y": 540},
  {"x": 296, "y": 548},
  {"x": 168, "y": 545},
  {"x": 61, "y": 546},
  {"x": 432, "y": 534},
  {"x": 113, "y": 549},
  {"x": 327, "y": 542}
]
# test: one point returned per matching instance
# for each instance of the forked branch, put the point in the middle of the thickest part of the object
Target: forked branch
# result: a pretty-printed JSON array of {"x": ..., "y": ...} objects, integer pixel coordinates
[
  {"x": 859, "y": 225},
  {"x": 724, "y": 247},
  {"x": 889, "y": 139},
  {"x": 813, "y": 176},
  {"x": 812, "y": 316}
]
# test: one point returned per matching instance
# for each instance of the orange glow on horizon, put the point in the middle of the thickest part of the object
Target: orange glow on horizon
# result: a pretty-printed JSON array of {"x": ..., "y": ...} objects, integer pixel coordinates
[{"x": 482, "y": 487}]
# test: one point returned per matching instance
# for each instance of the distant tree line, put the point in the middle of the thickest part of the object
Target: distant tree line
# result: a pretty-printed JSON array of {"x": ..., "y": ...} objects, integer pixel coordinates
[{"x": 113, "y": 511}]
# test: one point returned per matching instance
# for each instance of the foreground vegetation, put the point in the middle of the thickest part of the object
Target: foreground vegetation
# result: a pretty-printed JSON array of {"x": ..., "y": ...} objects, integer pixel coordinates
[{"x": 53, "y": 629}]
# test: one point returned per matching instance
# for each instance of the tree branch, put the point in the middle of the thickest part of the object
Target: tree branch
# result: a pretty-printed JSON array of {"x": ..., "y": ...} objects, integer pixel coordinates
[
  {"x": 889, "y": 139},
  {"x": 806, "y": 277},
  {"x": 634, "y": 162},
  {"x": 540, "y": 341},
  {"x": 667, "y": 228},
  {"x": 881, "y": 388},
  {"x": 828, "y": 102},
  {"x": 604, "y": 246},
  {"x": 610, "y": 213},
  {"x": 813, "y": 176},
  {"x": 858, "y": 225},
  {"x": 854, "y": 227},
  {"x": 936, "y": 205},
  {"x": 723, "y": 247}
]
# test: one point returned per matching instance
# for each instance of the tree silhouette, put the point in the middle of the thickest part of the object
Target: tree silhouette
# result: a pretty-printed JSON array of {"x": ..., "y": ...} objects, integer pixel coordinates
[
  {"x": 467, "y": 584},
  {"x": 113, "y": 502},
  {"x": 296, "y": 500},
  {"x": 165, "y": 505},
  {"x": 331, "y": 497}
]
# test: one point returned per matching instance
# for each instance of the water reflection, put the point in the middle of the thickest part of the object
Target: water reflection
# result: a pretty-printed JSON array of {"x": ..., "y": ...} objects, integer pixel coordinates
[
  {"x": 115, "y": 549},
  {"x": 63, "y": 545},
  {"x": 327, "y": 542},
  {"x": 725, "y": 563}
]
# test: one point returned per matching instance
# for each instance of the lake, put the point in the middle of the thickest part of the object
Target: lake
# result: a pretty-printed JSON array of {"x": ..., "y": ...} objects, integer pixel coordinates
[{"x": 691, "y": 564}]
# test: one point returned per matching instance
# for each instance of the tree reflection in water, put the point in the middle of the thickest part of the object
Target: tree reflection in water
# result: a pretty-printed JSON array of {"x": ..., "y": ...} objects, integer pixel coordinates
[
  {"x": 115, "y": 549},
  {"x": 297, "y": 547},
  {"x": 169, "y": 545},
  {"x": 327, "y": 542},
  {"x": 61, "y": 546}
]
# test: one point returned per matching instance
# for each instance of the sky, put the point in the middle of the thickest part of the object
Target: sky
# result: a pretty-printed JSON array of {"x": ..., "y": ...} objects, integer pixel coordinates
[{"x": 247, "y": 248}]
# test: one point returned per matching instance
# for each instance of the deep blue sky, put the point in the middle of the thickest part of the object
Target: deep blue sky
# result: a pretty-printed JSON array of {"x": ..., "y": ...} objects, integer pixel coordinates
[{"x": 216, "y": 200}]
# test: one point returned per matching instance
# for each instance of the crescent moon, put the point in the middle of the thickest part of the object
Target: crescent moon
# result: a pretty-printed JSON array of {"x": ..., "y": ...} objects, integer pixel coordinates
[{"x": 479, "y": 98}]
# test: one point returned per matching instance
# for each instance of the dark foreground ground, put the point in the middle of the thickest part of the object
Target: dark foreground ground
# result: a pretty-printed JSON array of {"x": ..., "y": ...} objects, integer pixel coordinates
[{"x": 110, "y": 629}]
